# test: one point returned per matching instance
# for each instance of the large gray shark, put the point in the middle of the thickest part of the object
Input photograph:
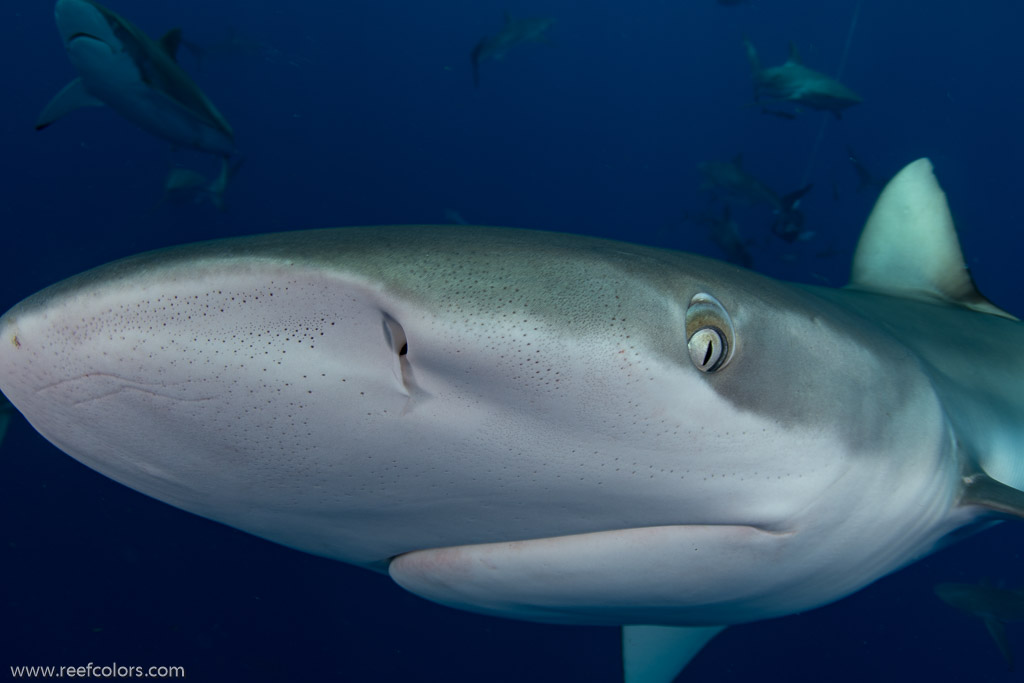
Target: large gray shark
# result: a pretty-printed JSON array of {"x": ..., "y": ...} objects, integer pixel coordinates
[
  {"x": 514, "y": 32},
  {"x": 794, "y": 82},
  {"x": 995, "y": 606},
  {"x": 121, "y": 67},
  {"x": 549, "y": 427}
]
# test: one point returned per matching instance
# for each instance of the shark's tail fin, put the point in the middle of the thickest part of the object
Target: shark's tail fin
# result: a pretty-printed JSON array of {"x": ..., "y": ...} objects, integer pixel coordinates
[
  {"x": 192, "y": 186},
  {"x": 219, "y": 185}
]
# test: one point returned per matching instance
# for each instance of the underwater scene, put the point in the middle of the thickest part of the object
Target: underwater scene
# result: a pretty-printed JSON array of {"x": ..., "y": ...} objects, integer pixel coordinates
[{"x": 757, "y": 133}]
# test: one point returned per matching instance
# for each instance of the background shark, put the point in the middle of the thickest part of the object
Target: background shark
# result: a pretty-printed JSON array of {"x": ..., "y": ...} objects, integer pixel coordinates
[
  {"x": 549, "y": 427},
  {"x": 121, "y": 67},
  {"x": 995, "y": 606},
  {"x": 733, "y": 182},
  {"x": 6, "y": 411},
  {"x": 515, "y": 32},
  {"x": 794, "y": 82},
  {"x": 724, "y": 231}
]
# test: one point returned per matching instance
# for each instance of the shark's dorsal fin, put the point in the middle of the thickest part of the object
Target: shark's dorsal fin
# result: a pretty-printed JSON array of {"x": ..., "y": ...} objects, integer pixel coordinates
[
  {"x": 656, "y": 654},
  {"x": 909, "y": 246},
  {"x": 170, "y": 42},
  {"x": 794, "y": 54}
]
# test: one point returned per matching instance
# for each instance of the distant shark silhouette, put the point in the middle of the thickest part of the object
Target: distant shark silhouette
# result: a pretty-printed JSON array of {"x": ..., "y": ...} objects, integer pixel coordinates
[
  {"x": 121, "y": 67},
  {"x": 794, "y": 82},
  {"x": 515, "y": 32},
  {"x": 6, "y": 411},
  {"x": 183, "y": 185},
  {"x": 735, "y": 183},
  {"x": 725, "y": 233},
  {"x": 994, "y": 606}
]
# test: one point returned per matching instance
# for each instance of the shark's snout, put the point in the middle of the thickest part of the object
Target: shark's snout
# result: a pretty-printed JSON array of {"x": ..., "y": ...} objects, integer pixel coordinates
[{"x": 77, "y": 18}]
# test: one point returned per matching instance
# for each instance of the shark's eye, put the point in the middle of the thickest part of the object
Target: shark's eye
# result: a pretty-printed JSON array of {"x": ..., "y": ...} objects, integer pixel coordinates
[
  {"x": 707, "y": 349},
  {"x": 709, "y": 333}
]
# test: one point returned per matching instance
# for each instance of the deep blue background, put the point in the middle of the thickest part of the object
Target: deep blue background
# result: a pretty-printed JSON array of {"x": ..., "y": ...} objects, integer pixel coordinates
[{"x": 363, "y": 113}]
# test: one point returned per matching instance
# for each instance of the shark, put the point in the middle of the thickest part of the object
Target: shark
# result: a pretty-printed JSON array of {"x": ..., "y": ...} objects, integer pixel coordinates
[
  {"x": 121, "y": 67},
  {"x": 184, "y": 185},
  {"x": 995, "y": 606},
  {"x": 514, "y": 32},
  {"x": 793, "y": 82},
  {"x": 550, "y": 427},
  {"x": 731, "y": 180}
]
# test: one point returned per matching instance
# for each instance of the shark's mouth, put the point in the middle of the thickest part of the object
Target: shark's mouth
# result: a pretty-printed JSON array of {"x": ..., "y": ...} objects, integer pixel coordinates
[{"x": 81, "y": 34}]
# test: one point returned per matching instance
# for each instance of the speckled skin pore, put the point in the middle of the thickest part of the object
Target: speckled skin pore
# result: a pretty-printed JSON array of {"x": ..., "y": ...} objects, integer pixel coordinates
[{"x": 513, "y": 415}]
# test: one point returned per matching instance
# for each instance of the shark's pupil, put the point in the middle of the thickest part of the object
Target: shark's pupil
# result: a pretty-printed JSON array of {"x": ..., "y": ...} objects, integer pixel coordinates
[
  {"x": 710, "y": 352},
  {"x": 404, "y": 350}
]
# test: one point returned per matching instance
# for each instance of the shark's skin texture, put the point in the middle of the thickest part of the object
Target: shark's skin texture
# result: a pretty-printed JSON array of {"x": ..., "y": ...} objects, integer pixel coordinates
[{"x": 543, "y": 426}]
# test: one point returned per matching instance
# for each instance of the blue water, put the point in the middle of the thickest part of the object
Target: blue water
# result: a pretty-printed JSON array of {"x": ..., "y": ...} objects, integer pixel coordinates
[{"x": 364, "y": 113}]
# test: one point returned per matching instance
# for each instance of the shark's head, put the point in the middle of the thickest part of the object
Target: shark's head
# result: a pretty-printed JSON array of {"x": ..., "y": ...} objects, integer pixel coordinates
[{"x": 653, "y": 436}]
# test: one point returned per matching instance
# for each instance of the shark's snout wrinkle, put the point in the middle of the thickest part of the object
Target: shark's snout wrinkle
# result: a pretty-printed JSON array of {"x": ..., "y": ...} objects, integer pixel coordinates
[{"x": 549, "y": 427}]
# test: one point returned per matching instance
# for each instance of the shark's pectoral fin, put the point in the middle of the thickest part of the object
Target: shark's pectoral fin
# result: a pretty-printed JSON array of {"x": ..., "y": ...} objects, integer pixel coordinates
[
  {"x": 983, "y": 491},
  {"x": 72, "y": 96},
  {"x": 632, "y": 576},
  {"x": 997, "y": 630},
  {"x": 656, "y": 654},
  {"x": 909, "y": 246}
]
